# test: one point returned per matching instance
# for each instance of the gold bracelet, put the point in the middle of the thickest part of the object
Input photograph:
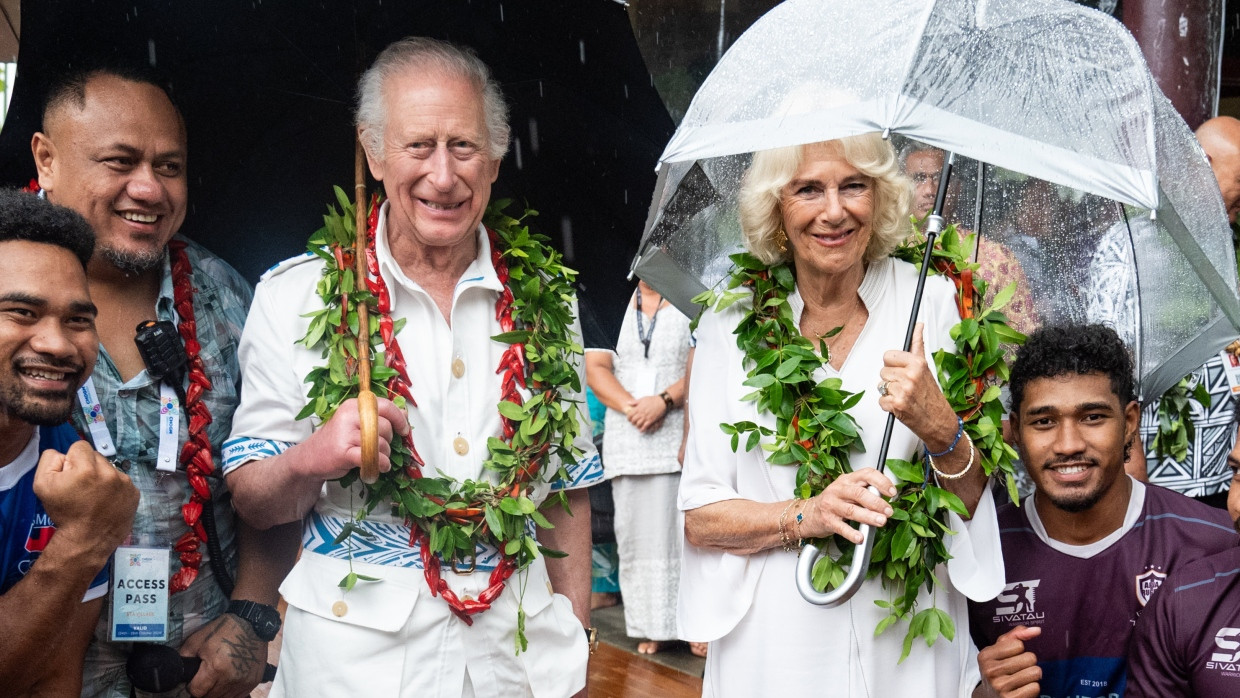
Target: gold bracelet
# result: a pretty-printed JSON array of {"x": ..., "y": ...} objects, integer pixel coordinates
[
  {"x": 953, "y": 476},
  {"x": 784, "y": 541}
]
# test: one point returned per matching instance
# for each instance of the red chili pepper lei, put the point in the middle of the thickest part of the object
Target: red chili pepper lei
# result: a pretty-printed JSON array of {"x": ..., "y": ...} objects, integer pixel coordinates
[
  {"x": 512, "y": 369},
  {"x": 196, "y": 453}
]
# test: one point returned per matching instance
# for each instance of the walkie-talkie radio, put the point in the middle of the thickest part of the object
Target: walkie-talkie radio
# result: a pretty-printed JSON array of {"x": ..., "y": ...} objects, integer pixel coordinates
[{"x": 160, "y": 345}]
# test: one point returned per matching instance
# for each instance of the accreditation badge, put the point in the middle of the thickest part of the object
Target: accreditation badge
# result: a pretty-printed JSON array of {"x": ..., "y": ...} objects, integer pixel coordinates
[
  {"x": 642, "y": 381},
  {"x": 140, "y": 594},
  {"x": 1231, "y": 366}
]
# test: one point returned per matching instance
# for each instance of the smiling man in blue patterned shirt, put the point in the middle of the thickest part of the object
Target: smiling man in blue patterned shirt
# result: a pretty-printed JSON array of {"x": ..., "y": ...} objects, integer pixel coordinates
[{"x": 113, "y": 148}]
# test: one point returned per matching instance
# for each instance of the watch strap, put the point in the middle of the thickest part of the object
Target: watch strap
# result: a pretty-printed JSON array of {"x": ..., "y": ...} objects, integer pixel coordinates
[{"x": 264, "y": 619}]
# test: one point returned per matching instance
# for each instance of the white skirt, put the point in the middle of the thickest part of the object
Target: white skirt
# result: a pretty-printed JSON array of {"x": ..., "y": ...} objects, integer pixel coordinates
[{"x": 649, "y": 535}]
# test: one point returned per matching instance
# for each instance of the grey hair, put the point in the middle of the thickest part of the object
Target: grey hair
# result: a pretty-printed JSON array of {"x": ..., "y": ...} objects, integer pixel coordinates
[
  {"x": 430, "y": 55},
  {"x": 913, "y": 147},
  {"x": 759, "y": 199}
]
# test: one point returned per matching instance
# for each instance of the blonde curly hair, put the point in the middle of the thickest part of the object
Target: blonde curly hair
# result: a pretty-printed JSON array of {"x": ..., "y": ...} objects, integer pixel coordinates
[{"x": 762, "y": 219}]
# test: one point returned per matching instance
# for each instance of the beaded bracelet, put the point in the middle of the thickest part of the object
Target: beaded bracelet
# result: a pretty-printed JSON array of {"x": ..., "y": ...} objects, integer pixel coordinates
[
  {"x": 949, "y": 449},
  {"x": 953, "y": 476}
]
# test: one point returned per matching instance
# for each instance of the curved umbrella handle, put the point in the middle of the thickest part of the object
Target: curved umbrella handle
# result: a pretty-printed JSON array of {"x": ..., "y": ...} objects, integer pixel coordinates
[{"x": 852, "y": 581}]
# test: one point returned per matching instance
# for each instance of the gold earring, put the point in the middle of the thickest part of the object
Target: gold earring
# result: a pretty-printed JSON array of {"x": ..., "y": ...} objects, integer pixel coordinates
[{"x": 781, "y": 240}]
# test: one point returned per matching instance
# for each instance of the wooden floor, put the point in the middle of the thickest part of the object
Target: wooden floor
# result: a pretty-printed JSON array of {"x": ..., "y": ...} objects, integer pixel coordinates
[{"x": 615, "y": 673}]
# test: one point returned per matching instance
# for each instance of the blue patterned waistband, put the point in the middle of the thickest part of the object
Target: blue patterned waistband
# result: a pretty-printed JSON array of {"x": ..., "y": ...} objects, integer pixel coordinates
[{"x": 382, "y": 543}]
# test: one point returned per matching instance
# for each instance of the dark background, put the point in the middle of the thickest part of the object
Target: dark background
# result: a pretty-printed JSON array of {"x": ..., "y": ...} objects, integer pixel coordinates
[
  {"x": 596, "y": 87},
  {"x": 267, "y": 88}
]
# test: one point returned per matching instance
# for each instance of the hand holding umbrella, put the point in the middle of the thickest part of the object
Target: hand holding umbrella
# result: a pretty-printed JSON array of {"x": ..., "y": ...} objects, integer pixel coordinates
[{"x": 861, "y": 556}]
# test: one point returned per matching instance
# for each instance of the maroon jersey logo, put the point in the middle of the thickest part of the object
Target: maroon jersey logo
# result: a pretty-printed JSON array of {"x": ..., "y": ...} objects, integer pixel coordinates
[
  {"x": 1147, "y": 583},
  {"x": 1226, "y": 641},
  {"x": 1019, "y": 603}
]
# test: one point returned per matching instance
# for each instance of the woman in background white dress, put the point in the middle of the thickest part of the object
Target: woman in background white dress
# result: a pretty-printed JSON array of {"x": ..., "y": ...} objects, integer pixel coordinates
[{"x": 642, "y": 384}]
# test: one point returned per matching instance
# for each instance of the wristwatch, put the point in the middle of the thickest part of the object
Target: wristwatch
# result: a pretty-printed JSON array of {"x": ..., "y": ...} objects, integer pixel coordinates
[{"x": 263, "y": 618}]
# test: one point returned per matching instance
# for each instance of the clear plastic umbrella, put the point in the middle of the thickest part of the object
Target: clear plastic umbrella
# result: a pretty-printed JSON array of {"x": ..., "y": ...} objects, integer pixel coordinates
[{"x": 1079, "y": 151}]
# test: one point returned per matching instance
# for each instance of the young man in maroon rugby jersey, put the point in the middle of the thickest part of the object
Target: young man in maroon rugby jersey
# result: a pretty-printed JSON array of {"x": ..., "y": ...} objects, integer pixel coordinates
[
  {"x": 1088, "y": 550},
  {"x": 1188, "y": 642}
]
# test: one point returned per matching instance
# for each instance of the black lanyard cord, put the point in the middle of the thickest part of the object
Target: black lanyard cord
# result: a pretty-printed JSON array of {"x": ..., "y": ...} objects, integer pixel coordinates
[{"x": 643, "y": 335}]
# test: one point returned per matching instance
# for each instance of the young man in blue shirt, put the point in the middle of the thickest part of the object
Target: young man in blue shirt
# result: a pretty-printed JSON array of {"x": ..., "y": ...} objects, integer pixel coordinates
[{"x": 63, "y": 512}]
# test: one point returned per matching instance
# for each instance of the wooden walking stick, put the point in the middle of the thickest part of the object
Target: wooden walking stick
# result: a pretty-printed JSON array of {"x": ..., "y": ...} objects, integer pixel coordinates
[{"x": 367, "y": 407}]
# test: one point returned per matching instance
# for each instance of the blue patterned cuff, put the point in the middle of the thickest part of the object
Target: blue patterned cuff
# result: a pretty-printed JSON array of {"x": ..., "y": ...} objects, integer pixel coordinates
[
  {"x": 583, "y": 473},
  {"x": 243, "y": 450}
]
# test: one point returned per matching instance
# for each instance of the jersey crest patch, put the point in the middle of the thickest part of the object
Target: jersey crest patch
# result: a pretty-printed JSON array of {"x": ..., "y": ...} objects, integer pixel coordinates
[{"x": 1147, "y": 583}]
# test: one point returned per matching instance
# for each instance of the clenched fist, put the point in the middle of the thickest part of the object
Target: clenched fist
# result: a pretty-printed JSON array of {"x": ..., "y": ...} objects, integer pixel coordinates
[{"x": 90, "y": 501}]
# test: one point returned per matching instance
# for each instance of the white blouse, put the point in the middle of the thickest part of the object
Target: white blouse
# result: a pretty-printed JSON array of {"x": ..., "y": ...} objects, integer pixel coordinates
[
  {"x": 771, "y": 637},
  {"x": 628, "y": 451}
]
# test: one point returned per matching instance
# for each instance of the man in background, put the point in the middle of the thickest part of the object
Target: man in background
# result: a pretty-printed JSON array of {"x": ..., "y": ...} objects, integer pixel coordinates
[{"x": 1196, "y": 467}]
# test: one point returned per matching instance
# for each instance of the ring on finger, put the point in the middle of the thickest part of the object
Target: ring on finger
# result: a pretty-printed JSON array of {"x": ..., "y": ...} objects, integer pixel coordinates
[{"x": 882, "y": 388}]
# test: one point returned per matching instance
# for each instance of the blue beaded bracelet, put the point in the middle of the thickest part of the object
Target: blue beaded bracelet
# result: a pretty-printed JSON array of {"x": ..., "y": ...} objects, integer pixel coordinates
[{"x": 959, "y": 433}]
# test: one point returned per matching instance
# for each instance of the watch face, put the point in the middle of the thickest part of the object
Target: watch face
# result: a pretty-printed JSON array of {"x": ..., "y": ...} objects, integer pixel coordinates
[
  {"x": 267, "y": 624},
  {"x": 264, "y": 619}
]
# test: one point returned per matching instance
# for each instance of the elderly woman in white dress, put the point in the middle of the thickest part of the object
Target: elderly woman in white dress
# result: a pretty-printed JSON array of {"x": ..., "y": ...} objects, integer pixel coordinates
[{"x": 834, "y": 211}]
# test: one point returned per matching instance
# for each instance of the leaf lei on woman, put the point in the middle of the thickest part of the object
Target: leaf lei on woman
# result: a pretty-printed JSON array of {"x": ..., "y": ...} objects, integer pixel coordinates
[
  {"x": 814, "y": 431},
  {"x": 451, "y": 518}
]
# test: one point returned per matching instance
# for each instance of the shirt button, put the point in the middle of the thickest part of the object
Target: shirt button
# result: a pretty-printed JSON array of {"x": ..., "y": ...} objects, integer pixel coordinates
[
  {"x": 458, "y": 367},
  {"x": 339, "y": 609},
  {"x": 460, "y": 445}
]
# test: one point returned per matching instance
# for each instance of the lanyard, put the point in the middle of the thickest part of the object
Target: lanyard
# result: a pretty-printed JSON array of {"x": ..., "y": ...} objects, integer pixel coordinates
[
  {"x": 95, "y": 421},
  {"x": 643, "y": 336},
  {"x": 169, "y": 424}
]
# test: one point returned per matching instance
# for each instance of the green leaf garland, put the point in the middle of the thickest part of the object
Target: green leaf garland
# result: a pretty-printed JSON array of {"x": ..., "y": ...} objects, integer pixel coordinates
[
  {"x": 451, "y": 517},
  {"x": 815, "y": 433},
  {"x": 1175, "y": 418}
]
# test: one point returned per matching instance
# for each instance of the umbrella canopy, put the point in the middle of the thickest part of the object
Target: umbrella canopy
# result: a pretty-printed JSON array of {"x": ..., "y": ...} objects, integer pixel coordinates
[{"x": 1036, "y": 88}]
